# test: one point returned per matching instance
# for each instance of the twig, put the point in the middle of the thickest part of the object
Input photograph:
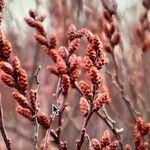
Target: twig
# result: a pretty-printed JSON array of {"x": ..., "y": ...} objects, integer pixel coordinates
[
  {"x": 107, "y": 116},
  {"x": 36, "y": 110},
  {"x": 86, "y": 120},
  {"x": 60, "y": 120},
  {"x": 3, "y": 129},
  {"x": 82, "y": 136},
  {"x": 116, "y": 82},
  {"x": 58, "y": 90},
  {"x": 89, "y": 141}
]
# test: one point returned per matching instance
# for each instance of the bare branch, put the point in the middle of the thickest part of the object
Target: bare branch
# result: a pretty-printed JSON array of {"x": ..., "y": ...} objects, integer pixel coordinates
[{"x": 2, "y": 128}]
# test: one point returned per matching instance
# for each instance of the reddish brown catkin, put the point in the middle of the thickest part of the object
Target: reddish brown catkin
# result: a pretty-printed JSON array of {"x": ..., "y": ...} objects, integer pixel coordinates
[{"x": 105, "y": 142}]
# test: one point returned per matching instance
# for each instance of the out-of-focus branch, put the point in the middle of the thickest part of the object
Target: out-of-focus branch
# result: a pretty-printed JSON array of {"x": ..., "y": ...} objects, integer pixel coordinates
[
  {"x": 116, "y": 82},
  {"x": 19, "y": 133},
  {"x": 3, "y": 129}
]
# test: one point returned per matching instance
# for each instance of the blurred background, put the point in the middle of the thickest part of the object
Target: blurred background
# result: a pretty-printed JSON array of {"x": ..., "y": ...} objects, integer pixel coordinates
[{"x": 132, "y": 62}]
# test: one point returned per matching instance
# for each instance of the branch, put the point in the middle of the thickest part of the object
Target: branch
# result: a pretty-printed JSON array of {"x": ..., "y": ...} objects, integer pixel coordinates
[
  {"x": 36, "y": 110},
  {"x": 116, "y": 82},
  {"x": 111, "y": 125},
  {"x": 2, "y": 128}
]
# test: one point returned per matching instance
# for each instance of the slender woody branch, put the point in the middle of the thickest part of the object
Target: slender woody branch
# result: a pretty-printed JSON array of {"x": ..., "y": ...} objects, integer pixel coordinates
[
  {"x": 36, "y": 109},
  {"x": 2, "y": 128}
]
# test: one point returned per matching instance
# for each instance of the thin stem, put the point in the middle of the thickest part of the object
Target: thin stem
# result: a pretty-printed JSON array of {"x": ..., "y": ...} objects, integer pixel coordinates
[
  {"x": 82, "y": 136},
  {"x": 86, "y": 120},
  {"x": 89, "y": 141},
  {"x": 36, "y": 135},
  {"x": 116, "y": 82},
  {"x": 3, "y": 129}
]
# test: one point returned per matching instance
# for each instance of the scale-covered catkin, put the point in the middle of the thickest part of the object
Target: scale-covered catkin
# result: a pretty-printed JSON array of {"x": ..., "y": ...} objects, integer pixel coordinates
[
  {"x": 105, "y": 140},
  {"x": 21, "y": 99},
  {"x": 65, "y": 83},
  {"x": 6, "y": 67},
  {"x": 84, "y": 106},
  {"x": 128, "y": 147},
  {"x": 16, "y": 64},
  {"x": 44, "y": 120},
  {"x": 32, "y": 96},
  {"x": 86, "y": 90},
  {"x": 26, "y": 113},
  {"x": 95, "y": 77},
  {"x": 22, "y": 79},
  {"x": 74, "y": 45},
  {"x": 8, "y": 80},
  {"x": 6, "y": 49},
  {"x": 102, "y": 98},
  {"x": 72, "y": 32},
  {"x": 95, "y": 144}
]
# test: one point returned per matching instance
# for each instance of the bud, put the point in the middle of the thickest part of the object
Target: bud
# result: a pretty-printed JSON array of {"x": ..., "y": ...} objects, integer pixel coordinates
[
  {"x": 101, "y": 60},
  {"x": 116, "y": 39},
  {"x": 6, "y": 67},
  {"x": 74, "y": 45},
  {"x": 71, "y": 32},
  {"x": 88, "y": 63},
  {"x": 21, "y": 99},
  {"x": 146, "y": 128},
  {"x": 110, "y": 5},
  {"x": 22, "y": 79},
  {"x": 16, "y": 64},
  {"x": 39, "y": 27},
  {"x": 101, "y": 100},
  {"x": 95, "y": 77},
  {"x": 54, "y": 55},
  {"x": 139, "y": 123},
  {"x": 53, "y": 69},
  {"x": 41, "y": 39},
  {"x": 90, "y": 52},
  {"x": 53, "y": 41},
  {"x": 32, "y": 13},
  {"x": 62, "y": 51},
  {"x": 86, "y": 90},
  {"x": 108, "y": 48},
  {"x": 84, "y": 106},
  {"x": 146, "y": 4},
  {"x": 74, "y": 75},
  {"x": 73, "y": 62},
  {"x": 8, "y": 80},
  {"x": 30, "y": 21},
  {"x": 26, "y": 113},
  {"x": 114, "y": 145},
  {"x": 65, "y": 83},
  {"x": 61, "y": 66},
  {"x": 95, "y": 144},
  {"x": 105, "y": 140},
  {"x": 6, "y": 49},
  {"x": 32, "y": 95},
  {"x": 44, "y": 120},
  {"x": 128, "y": 147}
]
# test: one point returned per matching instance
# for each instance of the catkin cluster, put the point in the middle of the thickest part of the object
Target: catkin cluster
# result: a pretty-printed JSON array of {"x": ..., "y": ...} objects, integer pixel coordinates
[
  {"x": 105, "y": 143},
  {"x": 140, "y": 131},
  {"x": 15, "y": 76},
  {"x": 111, "y": 35},
  {"x": 142, "y": 30},
  {"x": 94, "y": 59}
]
